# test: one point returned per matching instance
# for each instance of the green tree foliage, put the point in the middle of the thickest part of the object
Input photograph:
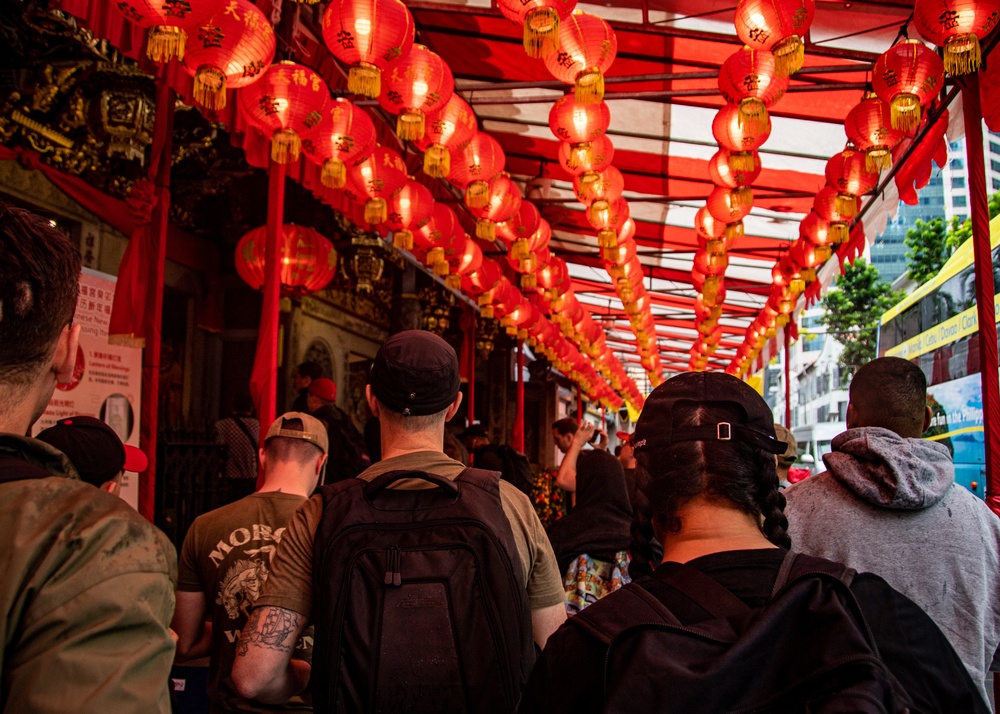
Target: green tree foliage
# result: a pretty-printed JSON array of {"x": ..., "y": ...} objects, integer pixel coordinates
[
  {"x": 852, "y": 312},
  {"x": 932, "y": 242}
]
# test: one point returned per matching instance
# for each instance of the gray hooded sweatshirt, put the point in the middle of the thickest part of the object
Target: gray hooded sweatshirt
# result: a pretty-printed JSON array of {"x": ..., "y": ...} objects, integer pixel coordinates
[{"x": 890, "y": 506}]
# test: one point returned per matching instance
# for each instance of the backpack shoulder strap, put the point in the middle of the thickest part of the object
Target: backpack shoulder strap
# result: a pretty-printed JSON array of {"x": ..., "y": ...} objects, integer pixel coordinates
[
  {"x": 246, "y": 430},
  {"x": 708, "y": 592},
  {"x": 479, "y": 477},
  {"x": 798, "y": 565},
  {"x": 635, "y": 606}
]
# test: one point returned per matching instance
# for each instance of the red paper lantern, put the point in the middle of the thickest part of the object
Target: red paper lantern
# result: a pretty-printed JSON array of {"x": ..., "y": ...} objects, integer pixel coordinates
[
  {"x": 232, "y": 49},
  {"x": 869, "y": 127},
  {"x": 378, "y": 177},
  {"x": 608, "y": 221},
  {"x": 707, "y": 226},
  {"x": 587, "y": 47},
  {"x": 819, "y": 231},
  {"x": 167, "y": 23},
  {"x": 451, "y": 127},
  {"x": 747, "y": 78},
  {"x": 907, "y": 76},
  {"x": 738, "y": 181},
  {"x": 599, "y": 192},
  {"x": 957, "y": 26},
  {"x": 467, "y": 260},
  {"x": 441, "y": 232},
  {"x": 482, "y": 279},
  {"x": 580, "y": 125},
  {"x": 847, "y": 173},
  {"x": 520, "y": 227},
  {"x": 777, "y": 26},
  {"x": 345, "y": 136},
  {"x": 808, "y": 255},
  {"x": 367, "y": 35},
  {"x": 504, "y": 203},
  {"x": 308, "y": 260},
  {"x": 409, "y": 209},
  {"x": 289, "y": 100},
  {"x": 541, "y": 22},
  {"x": 601, "y": 153},
  {"x": 738, "y": 138},
  {"x": 831, "y": 205},
  {"x": 474, "y": 166},
  {"x": 418, "y": 84},
  {"x": 620, "y": 254},
  {"x": 725, "y": 207}
]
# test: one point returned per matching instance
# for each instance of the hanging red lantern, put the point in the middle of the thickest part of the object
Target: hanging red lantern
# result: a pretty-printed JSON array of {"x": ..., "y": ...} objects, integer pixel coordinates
[
  {"x": 600, "y": 192},
  {"x": 465, "y": 260},
  {"x": 441, "y": 232},
  {"x": 345, "y": 136},
  {"x": 587, "y": 167},
  {"x": 308, "y": 260},
  {"x": 869, "y": 127},
  {"x": 707, "y": 226},
  {"x": 608, "y": 221},
  {"x": 289, "y": 100},
  {"x": 819, "y": 231},
  {"x": 451, "y": 127},
  {"x": 777, "y": 26},
  {"x": 541, "y": 22},
  {"x": 167, "y": 23},
  {"x": 587, "y": 48},
  {"x": 847, "y": 173},
  {"x": 409, "y": 209},
  {"x": 232, "y": 49},
  {"x": 738, "y": 181},
  {"x": 378, "y": 177},
  {"x": 580, "y": 125},
  {"x": 957, "y": 26},
  {"x": 504, "y": 203},
  {"x": 519, "y": 228},
  {"x": 709, "y": 264},
  {"x": 809, "y": 255},
  {"x": 907, "y": 76},
  {"x": 418, "y": 84},
  {"x": 725, "y": 207},
  {"x": 831, "y": 205},
  {"x": 367, "y": 35},
  {"x": 739, "y": 139},
  {"x": 621, "y": 253},
  {"x": 747, "y": 78},
  {"x": 474, "y": 166}
]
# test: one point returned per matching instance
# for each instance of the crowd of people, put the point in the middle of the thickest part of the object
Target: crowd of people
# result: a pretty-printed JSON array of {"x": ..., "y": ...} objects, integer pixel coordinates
[{"x": 377, "y": 573}]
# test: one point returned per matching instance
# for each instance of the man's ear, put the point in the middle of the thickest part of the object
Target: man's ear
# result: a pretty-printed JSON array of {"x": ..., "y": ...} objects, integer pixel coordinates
[
  {"x": 852, "y": 416},
  {"x": 372, "y": 401},
  {"x": 453, "y": 409},
  {"x": 262, "y": 457},
  {"x": 928, "y": 416},
  {"x": 64, "y": 357}
]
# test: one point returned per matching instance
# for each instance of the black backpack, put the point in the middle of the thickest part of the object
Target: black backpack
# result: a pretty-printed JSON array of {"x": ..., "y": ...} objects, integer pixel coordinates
[
  {"x": 809, "y": 649},
  {"x": 420, "y": 604}
]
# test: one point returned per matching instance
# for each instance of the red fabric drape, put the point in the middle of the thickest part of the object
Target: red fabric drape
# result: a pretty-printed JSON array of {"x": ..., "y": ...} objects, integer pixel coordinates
[
  {"x": 517, "y": 436},
  {"x": 985, "y": 288},
  {"x": 916, "y": 172}
]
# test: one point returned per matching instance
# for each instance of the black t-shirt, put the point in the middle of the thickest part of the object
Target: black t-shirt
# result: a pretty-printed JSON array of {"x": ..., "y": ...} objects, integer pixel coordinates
[{"x": 569, "y": 674}]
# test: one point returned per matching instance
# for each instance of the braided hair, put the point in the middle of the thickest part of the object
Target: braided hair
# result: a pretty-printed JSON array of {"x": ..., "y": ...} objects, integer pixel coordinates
[{"x": 669, "y": 475}]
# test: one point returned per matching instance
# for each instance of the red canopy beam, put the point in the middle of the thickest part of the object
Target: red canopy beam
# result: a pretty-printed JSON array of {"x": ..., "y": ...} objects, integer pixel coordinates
[
  {"x": 985, "y": 288},
  {"x": 517, "y": 438}
]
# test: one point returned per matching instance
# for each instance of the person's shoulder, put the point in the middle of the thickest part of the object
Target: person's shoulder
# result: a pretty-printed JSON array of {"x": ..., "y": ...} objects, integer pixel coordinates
[{"x": 822, "y": 485}]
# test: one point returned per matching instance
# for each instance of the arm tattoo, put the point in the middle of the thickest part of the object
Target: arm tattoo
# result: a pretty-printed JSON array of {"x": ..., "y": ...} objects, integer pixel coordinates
[{"x": 271, "y": 628}]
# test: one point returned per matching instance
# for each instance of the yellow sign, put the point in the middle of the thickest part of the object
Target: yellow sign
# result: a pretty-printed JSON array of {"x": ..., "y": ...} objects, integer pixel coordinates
[{"x": 962, "y": 325}]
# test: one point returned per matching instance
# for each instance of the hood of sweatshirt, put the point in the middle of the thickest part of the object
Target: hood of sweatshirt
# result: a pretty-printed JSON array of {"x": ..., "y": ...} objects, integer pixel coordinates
[{"x": 890, "y": 471}]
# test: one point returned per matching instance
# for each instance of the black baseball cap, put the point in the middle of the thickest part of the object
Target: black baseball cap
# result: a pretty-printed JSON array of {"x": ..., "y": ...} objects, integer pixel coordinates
[
  {"x": 692, "y": 389},
  {"x": 93, "y": 448},
  {"x": 415, "y": 373}
]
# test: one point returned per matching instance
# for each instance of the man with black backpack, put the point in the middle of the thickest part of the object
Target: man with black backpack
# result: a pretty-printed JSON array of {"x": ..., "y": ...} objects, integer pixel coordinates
[
  {"x": 429, "y": 584},
  {"x": 87, "y": 588}
]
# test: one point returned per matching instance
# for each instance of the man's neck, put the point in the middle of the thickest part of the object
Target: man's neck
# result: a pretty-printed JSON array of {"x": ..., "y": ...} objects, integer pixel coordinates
[
  {"x": 708, "y": 528},
  {"x": 19, "y": 410},
  {"x": 288, "y": 478}
]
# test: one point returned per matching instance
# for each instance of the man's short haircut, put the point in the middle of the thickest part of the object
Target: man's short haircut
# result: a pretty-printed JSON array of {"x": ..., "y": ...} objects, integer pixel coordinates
[
  {"x": 283, "y": 448},
  {"x": 413, "y": 423},
  {"x": 891, "y": 393},
  {"x": 310, "y": 369},
  {"x": 566, "y": 425},
  {"x": 39, "y": 284}
]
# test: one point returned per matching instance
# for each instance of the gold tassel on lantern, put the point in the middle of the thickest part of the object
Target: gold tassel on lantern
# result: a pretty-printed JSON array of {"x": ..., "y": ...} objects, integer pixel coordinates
[
  {"x": 741, "y": 161},
  {"x": 477, "y": 194},
  {"x": 808, "y": 275},
  {"x": 334, "y": 173},
  {"x": 838, "y": 233},
  {"x": 210, "y": 88},
  {"x": 453, "y": 281},
  {"x": 715, "y": 247},
  {"x": 165, "y": 42},
  {"x": 410, "y": 125},
  {"x": 486, "y": 312},
  {"x": 434, "y": 256},
  {"x": 529, "y": 281},
  {"x": 847, "y": 205},
  {"x": 581, "y": 155},
  {"x": 741, "y": 197},
  {"x": 366, "y": 79},
  {"x": 789, "y": 55},
  {"x": 376, "y": 210},
  {"x": 607, "y": 238},
  {"x": 878, "y": 159},
  {"x": 541, "y": 32},
  {"x": 486, "y": 229},
  {"x": 285, "y": 145},
  {"x": 753, "y": 115},
  {"x": 905, "y": 112},
  {"x": 598, "y": 211},
  {"x": 962, "y": 54},
  {"x": 518, "y": 249},
  {"x": 441, "y": 268},
  {"x": 437, "y": 161},
  {"x": 403, "y": 239},
  {"x": 823, "y": 253},
  {"x": 589, "y": 87},
  {"x": 732, "y": 232}
]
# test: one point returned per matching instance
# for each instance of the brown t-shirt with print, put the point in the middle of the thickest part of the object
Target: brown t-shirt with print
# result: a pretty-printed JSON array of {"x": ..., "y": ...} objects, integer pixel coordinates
[
  {"x": 227, "y": 555},
  {"x": 290, "y": 585}
]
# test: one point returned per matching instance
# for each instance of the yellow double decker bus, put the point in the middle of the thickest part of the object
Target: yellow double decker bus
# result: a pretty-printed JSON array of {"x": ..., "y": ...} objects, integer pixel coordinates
[{"x": 937, "y": 328}]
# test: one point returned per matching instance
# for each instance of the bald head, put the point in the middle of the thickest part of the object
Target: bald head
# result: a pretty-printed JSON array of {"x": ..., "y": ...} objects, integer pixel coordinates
[{"x": 891, "y": 393}]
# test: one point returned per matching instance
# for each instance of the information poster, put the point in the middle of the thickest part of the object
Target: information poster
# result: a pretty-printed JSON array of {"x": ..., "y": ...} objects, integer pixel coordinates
[{"x": 107, "y": 380}]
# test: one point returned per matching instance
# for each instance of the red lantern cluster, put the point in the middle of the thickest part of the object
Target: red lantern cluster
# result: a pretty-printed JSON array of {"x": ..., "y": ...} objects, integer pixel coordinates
[
  {"x": 308, "y": 260},
  {"x": 167, "y": 22},
  {"x": 449, "y": 129}
]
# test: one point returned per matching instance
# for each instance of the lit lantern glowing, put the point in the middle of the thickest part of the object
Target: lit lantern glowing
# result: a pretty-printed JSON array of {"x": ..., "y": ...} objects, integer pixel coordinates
[
  {"x": 740, "y": 139},
  {"x": 777, "y": 26},
  {"x": 847, "y": 173},
  {"x": 167, "y": 23},
  {"x": 367, "y": 35},
  {"x": 580, "y": 125},
  {"x": 474, "y": 166},
  {"x": 957, "y": 26},
  {"x": 417, "y": 85},
  {"x": 308, "y": 260},
  {"x": 586, "y": 49},
  {"x": 343, "y": 137},
  {"x": 907, "y": 76},
  {"x": 504, "y": 203},
  {"x": 409, "y": 209},
  {"x": 378, "y": 177},
  {"x": 739, "y": 181},
  {"x": 541, "y": 22},
  {"x": 450, "y": 128},
  {"x": 869, "y": 127},
  {"x": 231, "y": 49},
  {"x": 747, "y": 78}
]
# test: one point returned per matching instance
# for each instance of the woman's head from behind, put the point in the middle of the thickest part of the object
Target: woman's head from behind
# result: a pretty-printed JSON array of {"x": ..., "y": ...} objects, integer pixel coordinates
[{"x": 710, "y": 436}]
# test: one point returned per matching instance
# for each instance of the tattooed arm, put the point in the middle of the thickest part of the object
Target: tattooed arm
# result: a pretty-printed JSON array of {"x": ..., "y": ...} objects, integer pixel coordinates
[{"x": 264, "y": 668}]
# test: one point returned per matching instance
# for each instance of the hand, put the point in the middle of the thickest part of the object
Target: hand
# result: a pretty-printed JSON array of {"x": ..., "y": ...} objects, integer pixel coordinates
[
  {"x": 602, "y": 440},
  {"x": 584, "y": 433}
]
